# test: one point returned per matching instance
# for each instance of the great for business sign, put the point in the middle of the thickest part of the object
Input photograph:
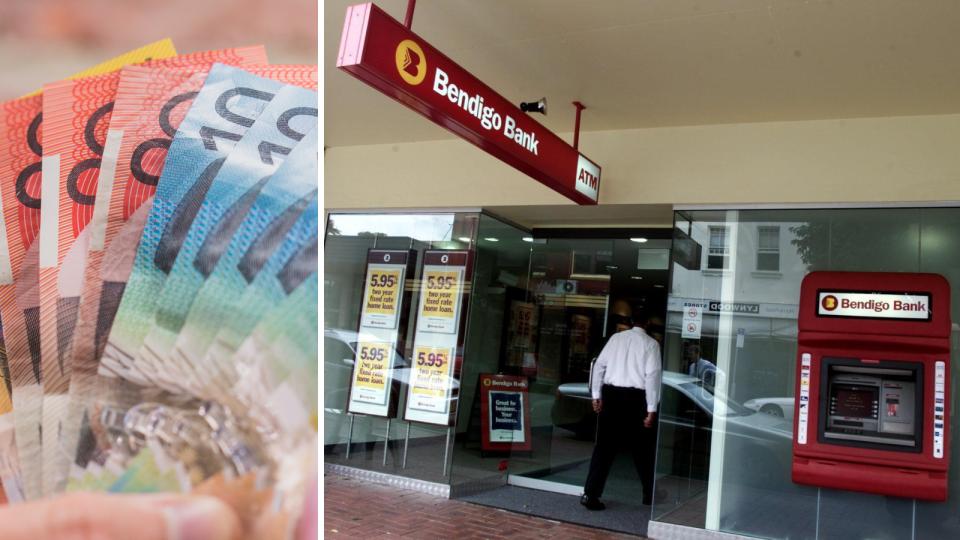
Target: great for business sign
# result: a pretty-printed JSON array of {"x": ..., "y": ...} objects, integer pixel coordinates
[{"x": 380, "y": 51}]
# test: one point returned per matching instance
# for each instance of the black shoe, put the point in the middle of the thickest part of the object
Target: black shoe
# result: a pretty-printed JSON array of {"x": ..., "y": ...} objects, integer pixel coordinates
[
  {"x": 592, "y": 503},
  {"x": 647, "y": 500}
]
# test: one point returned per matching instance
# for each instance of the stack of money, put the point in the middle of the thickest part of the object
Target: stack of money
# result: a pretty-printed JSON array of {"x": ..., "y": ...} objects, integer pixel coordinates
[{"x": 158, "y": 281}]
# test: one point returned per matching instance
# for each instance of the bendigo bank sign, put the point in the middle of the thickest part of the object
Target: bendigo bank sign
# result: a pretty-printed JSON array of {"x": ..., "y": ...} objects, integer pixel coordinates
[
  {"x": 913, "y": 306},
  {"x": 380, "y": 51}
]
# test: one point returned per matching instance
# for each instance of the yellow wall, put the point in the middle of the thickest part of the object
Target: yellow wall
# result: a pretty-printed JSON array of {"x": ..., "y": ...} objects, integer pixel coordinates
[{"x": 902, "y": 159}]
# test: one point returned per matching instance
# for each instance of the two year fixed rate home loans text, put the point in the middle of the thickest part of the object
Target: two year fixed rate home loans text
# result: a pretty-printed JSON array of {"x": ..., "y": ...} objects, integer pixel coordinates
[{"x": 158, "y": 280}]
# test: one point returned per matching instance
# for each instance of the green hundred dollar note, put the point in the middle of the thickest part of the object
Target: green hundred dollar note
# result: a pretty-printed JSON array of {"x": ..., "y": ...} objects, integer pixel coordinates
[
  {"x": 278, "y": 219},
  {"x": 229, "y": 201},
  {"x": 228, "y": 104}
]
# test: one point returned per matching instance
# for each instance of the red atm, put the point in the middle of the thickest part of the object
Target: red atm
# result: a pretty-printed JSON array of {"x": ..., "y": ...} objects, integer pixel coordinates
[{"x": 873, "y": 384}]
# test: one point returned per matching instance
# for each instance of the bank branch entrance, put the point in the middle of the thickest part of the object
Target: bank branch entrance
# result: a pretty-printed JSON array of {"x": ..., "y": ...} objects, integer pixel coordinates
[{"x": 486, "y": 397}]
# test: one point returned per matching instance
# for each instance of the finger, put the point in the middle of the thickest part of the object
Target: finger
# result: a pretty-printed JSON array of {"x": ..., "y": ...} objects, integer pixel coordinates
[{"x": 115, "y": 517}]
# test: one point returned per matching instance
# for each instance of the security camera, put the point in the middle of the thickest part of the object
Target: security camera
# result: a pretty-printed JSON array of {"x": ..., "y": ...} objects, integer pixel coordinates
[{"x": 538, "y": 107}]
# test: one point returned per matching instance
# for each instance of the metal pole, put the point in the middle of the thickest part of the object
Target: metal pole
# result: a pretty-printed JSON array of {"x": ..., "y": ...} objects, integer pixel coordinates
[
  {"x": 350, "y": 436},
  {"x": 408, "y": 20},
  {"x": 386, "y": 443},
  {"x": 406, "y": 445},
  {"x": 446, "y": 453},
  {"x": 576, "y": 127}
]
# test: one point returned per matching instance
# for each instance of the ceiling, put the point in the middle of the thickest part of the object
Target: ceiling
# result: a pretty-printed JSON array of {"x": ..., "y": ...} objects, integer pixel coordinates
[{"x": 656, "y": 63}]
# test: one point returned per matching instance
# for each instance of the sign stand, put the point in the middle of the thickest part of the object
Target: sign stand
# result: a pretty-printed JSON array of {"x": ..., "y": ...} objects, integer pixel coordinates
[
  {"x": 350, "y": 435},
  {"x": 433, "y": 392},
  {"x": 504, "y": 415},
  {"x": 446, "y": 452},
  {"x": 406, "y": 446},
  {"x": 386, "y": 442}
]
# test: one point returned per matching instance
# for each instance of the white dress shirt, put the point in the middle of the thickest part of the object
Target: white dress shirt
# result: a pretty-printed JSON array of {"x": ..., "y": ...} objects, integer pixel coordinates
[{"x": 630, "y": 359}]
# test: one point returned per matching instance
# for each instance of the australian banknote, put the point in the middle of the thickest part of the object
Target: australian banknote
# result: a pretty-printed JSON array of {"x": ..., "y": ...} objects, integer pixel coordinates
[
  {"x": 228, "y": 202},
  {"x": 155, "y": 97},
  {"x": 283, "y": 217},
  {"x": 20, "y": 185},
  {"x": 224, "y": 109},
  {"x": 270, "y": 280},
  {"x": 76, "y": 117},
  {"x": 278, "y": 385},
  {"x": 130, "y": 205}
]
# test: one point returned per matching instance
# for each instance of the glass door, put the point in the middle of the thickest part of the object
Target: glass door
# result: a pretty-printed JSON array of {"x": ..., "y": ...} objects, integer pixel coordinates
[{"x": 581, "y": 292}]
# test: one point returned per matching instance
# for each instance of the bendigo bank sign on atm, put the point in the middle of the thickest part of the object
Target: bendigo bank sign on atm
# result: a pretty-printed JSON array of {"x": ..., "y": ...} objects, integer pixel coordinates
[
  {"x": 873, "y": 396},
  {"x": 381, "y": 52}
]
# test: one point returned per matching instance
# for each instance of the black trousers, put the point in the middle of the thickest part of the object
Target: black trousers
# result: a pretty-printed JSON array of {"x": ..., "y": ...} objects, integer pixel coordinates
[{"x": 621, "y": 428}]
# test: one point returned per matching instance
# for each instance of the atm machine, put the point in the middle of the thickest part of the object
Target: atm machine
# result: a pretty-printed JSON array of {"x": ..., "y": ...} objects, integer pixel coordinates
[{"x": 873, "y": 384}]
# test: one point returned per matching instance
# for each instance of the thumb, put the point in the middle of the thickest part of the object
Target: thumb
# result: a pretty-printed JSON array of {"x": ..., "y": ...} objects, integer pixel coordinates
[{"x": 119, "y": 517}]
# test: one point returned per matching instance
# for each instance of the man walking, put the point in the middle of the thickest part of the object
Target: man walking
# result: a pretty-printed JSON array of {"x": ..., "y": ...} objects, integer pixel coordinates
[{"x": 626, "y": 391}]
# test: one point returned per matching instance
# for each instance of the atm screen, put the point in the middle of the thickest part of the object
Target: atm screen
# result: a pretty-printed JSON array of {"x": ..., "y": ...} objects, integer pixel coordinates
[{"x": 854, "y": 403}]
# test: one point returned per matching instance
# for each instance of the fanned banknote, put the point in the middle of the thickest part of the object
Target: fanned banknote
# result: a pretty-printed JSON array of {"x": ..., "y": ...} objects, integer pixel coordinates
[
  {"x": 20, "y": 183},
  {"x": 128, "y": 219},
  {"x": 284, "y": 213},
  {"x": 225, "y": 108},
  {"x": 20, "y": 151},
  {"x": 79, "y": 119},
  {"x": 279, "y": 384},
  {"x": 279, "y": 393},
  {"x": 270, "y": 282},
  {"x": 280, "y": 360},
  {"x": 228, "y": 201},
  {"x": 76, "y": 116}
]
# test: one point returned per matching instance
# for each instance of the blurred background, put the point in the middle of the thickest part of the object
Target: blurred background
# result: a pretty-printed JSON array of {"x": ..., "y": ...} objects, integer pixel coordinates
[{"x": 46, "y": 40}]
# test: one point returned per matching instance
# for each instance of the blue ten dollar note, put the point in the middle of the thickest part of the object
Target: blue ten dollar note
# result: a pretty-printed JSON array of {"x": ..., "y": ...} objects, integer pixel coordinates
[
  {"x": 227, "y": 105},
  {"x": 271, "y": 279},
  {"x": 276, "y": 214},
  {"x": 244, "y": 176}
]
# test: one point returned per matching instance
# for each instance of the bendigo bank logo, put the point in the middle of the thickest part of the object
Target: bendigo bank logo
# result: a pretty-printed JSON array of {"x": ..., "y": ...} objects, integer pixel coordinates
[
  {"x": 410, "y": 62},
  {"x": 829, "y": 302}
]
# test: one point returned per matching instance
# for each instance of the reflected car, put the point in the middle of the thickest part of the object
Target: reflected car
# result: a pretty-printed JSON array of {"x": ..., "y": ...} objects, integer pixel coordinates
[
  {"x": 761, "y": 443},
  {"x": 782, "y": 407}
]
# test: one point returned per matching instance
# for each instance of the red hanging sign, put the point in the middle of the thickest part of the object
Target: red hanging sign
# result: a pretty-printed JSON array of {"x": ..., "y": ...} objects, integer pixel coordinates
[{"x": 380, "y": 51}]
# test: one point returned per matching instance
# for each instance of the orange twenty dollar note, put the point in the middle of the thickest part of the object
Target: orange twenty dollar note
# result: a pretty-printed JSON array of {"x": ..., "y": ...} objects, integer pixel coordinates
[{"x": 20, "y": 182}]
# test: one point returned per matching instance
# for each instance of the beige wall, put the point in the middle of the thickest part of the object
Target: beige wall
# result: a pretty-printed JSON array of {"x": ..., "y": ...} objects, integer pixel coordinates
[{"x": 903, "y": 159}]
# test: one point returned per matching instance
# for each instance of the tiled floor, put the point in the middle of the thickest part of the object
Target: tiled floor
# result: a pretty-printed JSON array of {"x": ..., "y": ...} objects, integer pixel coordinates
[{"x": 358, "y": 509}]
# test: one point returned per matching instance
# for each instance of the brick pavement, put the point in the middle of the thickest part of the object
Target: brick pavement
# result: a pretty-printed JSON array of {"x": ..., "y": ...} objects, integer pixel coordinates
[{"x": 358, "y": 509}]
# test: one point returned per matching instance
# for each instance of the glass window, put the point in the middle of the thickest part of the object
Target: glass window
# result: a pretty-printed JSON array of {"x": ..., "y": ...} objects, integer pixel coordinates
[
  {"x": 718, "y": 257},
  {"x": 768, "y": 249},
  {"x": 745, "y": 487},
  {"x": 376, "y": 441}
]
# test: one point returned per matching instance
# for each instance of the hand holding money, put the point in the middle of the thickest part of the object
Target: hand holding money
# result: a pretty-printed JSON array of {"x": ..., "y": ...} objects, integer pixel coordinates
[
  {"x": 120, "y": 517},
  {"x": 161, "y": 223}
]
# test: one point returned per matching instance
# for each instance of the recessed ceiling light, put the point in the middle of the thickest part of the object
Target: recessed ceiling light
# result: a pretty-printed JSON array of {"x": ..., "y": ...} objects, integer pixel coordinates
[
  {"x": 641, "y": 240},
  {"x": 658, "y": 286},
  {"x": 611, "y": 267},
  {"x": 492, "y": 239},
  {"x": 464, "y": 239},
  {"x": 635, "y": 277},
  {"x": 527, "y": 239}
]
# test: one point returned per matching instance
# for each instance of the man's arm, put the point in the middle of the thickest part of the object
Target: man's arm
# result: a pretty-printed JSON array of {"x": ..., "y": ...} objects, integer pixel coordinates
[
  {"x": 600, "y": 368},
  {"x": 651, "y": 376}
]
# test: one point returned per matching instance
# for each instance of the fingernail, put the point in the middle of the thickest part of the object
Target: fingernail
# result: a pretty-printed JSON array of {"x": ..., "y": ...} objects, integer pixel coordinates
[{"x": 200, "y": 518}]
